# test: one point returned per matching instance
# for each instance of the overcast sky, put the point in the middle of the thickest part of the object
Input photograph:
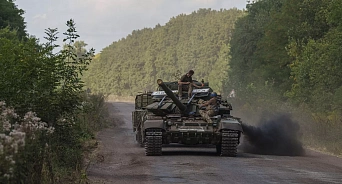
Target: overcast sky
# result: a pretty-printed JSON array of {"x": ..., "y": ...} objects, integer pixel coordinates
[{"x": 101, "y": 22}]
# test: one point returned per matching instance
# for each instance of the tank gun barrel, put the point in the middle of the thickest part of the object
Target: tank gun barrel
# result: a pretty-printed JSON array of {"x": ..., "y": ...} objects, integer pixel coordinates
[{"x": 169, "y": 93}]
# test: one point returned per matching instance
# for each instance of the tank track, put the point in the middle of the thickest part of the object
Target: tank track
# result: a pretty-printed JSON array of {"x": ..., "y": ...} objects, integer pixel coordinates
[
  {"x": 153, "y": 142},
  {"x": 139, "y": 138},
  {"x": 229, "y": 143}
]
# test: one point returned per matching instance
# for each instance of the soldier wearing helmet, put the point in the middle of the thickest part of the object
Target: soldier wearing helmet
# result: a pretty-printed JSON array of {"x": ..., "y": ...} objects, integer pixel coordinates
[{"x": 209, "y": 108}]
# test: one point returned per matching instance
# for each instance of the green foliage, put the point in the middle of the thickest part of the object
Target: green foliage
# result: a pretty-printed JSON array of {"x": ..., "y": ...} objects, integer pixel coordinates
[
  {"x": 11, "y": 16},
  {"x": 260, "y": 43},
  {"x": 316, "y": 72},
  {"x": 69, "y": 142},
  {"x": 295, "y": 46},
  {"x": 20, "y": 71},
  {"x": 337, "y": 99},
  {"x": 46, "y": 83},
  {"x": 34, "y": 78},
  {"x": 199, "y": 41},
  {"x": 219, "y": 74}
]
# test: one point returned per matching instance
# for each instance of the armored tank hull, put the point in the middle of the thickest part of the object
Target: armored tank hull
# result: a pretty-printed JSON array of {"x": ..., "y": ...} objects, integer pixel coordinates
[{"x": 167, "y": 120}]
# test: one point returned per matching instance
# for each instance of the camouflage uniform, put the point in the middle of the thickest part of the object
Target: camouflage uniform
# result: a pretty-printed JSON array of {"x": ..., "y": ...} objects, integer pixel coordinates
[
  {"x": 211, "y": 109},
  {"x": 186, "y": 87}
]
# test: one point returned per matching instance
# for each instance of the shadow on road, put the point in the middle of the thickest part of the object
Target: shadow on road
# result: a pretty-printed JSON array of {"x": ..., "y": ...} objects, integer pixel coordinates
[
  {"x": 208, "y": 153},
  {"x": 195, "y": 153}
]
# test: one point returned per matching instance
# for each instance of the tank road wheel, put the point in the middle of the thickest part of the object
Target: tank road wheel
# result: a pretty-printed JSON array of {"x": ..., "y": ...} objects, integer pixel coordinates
[
  {"x": 229, "y": 143},
  {"x": 153, "y": 142}
]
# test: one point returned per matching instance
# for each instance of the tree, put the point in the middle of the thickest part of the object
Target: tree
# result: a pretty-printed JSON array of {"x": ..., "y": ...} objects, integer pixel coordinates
[{"x": 11, "y": 16}]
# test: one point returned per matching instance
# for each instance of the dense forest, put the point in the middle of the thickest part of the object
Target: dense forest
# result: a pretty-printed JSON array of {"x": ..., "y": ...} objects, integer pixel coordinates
[
  {"x": 293, "y": 46},
  {"x": 286, "y": 56},
  {"x": 198, "y": 41},
  {"x": 278, "y": 55}
]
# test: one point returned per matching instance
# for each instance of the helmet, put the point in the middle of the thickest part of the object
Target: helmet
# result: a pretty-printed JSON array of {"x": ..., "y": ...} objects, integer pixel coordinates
[{"x": 213, "y": 94}]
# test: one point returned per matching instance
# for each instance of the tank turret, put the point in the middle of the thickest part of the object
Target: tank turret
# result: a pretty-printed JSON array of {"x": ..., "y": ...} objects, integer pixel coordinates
[{"x": 169, "y": 93}]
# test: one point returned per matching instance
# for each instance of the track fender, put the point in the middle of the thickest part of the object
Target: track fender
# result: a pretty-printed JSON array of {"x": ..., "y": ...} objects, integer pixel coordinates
[
  {"x": 154, "y": 124},
  {"x": 231, "y": 124}
]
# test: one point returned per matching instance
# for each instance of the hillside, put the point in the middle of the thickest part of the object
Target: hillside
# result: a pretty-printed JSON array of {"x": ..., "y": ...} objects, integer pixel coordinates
[{"x": 198, "y": 41}]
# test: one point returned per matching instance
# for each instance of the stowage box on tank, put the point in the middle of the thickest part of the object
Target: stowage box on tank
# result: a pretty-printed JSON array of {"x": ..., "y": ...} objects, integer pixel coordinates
[{"x": 160, "y": 118}]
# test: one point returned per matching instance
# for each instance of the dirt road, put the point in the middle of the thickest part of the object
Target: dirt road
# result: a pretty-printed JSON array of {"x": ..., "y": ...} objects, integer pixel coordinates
[{"x": 121, "y": 160}]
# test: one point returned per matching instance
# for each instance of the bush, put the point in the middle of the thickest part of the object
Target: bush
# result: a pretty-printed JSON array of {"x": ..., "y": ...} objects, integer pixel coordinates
[
  {"x": 23, "y": 143},
  {"x": 52, "y": 88}
]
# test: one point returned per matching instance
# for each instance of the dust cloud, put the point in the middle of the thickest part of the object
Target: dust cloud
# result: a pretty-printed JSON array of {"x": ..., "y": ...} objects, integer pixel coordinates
[{"x": 276, "y": 136}]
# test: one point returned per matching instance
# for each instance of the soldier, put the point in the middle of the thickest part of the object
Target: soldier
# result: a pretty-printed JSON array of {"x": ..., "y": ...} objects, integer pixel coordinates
[
  {"x": 211, "y": 108},
  {"x": 186, "y": 83}
]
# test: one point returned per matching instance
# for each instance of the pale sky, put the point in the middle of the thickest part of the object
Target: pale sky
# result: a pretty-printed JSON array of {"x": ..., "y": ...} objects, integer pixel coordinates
[{"x": 101, "y": 22}]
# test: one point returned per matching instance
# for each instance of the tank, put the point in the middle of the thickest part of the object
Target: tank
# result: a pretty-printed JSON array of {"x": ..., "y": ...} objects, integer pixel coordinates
[{"x": 160, "y": 118}]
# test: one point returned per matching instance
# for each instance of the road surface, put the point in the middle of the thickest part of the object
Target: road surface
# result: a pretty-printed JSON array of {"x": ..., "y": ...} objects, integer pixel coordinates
[{"x": 121, "y": 160}]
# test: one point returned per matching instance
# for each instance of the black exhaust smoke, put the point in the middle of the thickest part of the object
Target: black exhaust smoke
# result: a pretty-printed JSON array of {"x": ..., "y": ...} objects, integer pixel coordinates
[{"x": 277, "y": 136}]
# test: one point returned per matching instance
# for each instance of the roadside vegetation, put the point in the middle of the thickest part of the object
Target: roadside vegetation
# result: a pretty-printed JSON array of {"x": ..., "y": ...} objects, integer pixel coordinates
[
  {"x": 46, "y": 116},
  {"x": 286, "y": 56}
]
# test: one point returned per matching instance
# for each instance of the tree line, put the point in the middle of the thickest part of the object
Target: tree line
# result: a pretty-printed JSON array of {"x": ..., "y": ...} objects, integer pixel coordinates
[
  {"x": 288, "y": 53},
  {"x": 198, "y": 41},
  {"x": 294, "y": 46}
]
